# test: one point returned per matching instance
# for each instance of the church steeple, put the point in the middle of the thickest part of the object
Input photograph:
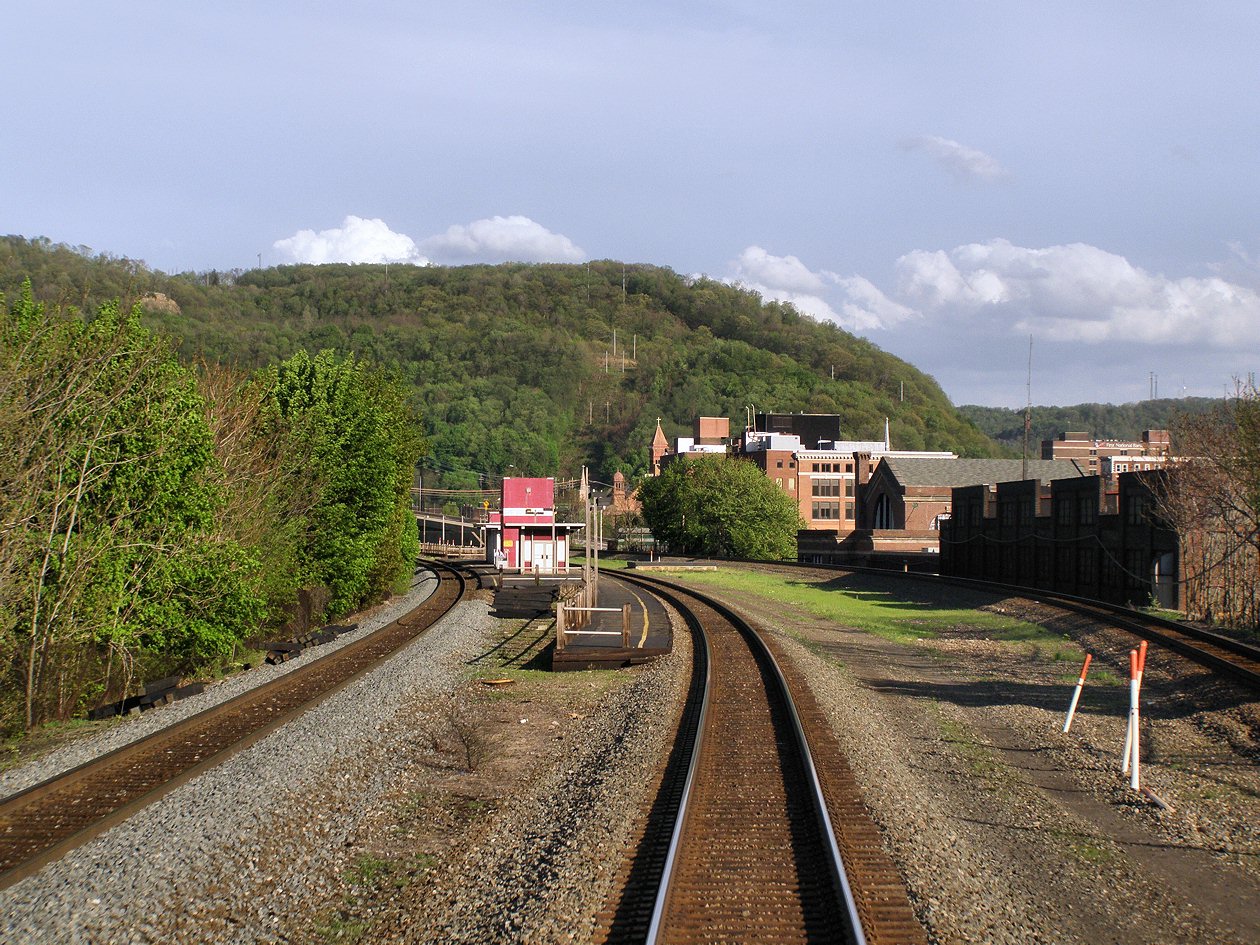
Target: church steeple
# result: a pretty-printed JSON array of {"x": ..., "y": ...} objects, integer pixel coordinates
[{"x": 660, "y": 446}]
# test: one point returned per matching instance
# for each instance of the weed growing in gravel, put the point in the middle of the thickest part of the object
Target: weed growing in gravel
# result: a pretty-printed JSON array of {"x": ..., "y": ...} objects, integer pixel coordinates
[
  {"x": 367, "y": 870},
  {"x": 339, "y": 929},
  {"x": 453, "y": 727},
  {"x": 980, "y": 760},
  {"x": 1084, "y": 847}
]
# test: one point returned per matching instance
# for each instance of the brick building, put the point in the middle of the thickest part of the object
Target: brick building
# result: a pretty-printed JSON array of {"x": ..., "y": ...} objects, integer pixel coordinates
[
  {"x": 901, "y": 507},
  {"x": 1087, "y": 536},
  {"x": 1090, "y": 452}
]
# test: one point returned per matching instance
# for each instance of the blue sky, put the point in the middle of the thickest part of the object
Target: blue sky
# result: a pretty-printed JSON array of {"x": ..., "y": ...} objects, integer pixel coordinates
[{"x": 944, "y": 179}]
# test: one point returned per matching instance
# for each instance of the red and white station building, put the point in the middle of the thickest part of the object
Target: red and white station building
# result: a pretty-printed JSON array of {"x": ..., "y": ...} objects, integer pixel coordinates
[{"x": 526, "y": 530}]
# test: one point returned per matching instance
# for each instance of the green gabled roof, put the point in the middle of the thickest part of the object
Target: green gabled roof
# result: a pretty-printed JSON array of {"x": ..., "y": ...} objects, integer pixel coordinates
[{"x": 953, "y": 473}]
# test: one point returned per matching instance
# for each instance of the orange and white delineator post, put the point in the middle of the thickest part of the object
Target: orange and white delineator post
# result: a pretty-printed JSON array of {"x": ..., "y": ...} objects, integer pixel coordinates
[
  {"x": 1076, "y": 696},
  {"x": 1132, "y": 761},
  {"x": 1131, "y": 733}
]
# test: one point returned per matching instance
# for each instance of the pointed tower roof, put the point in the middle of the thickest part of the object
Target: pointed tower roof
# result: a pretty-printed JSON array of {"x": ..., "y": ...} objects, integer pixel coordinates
[{"x": 659, "y": 441}]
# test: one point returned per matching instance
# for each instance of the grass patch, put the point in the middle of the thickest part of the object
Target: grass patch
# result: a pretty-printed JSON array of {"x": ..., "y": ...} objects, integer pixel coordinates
[
  {"x": 980, "y": 760},
  {"x": 367, "y": 870},
  {"x": 1085, "y": 848},
  {"x": 903, "y": 611},
  {"x": 339, "y": 928}
]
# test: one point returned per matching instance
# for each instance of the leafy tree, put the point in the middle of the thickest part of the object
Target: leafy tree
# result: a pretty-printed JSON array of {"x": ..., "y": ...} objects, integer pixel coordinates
[
  {"x": 363, "y": 440},
  {"x": 108, "y": 560},
  {"x": 720, "y": 506}
]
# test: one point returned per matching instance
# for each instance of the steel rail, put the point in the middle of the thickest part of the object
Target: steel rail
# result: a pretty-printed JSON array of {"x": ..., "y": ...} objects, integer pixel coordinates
[
  {"x": 1172, "y": 634},
  {"x": 817, "y": 802},
  {"x": 47, "y": 820}
]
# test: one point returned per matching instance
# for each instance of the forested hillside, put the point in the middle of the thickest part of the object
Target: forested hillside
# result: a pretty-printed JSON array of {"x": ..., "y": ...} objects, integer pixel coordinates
[
  {"x": 1104, "y": 421},
  {"x": 514, "y": 365}
]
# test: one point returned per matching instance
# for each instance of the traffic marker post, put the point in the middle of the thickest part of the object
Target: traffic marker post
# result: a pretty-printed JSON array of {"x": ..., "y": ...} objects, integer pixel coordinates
[
  {"x": 1130, "y": 733},
  {"x": 1076, "y": 695},
  {"x": 1132, "y": 760}
]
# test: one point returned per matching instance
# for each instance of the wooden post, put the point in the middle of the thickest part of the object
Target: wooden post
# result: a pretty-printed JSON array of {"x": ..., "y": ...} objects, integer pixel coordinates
[
  {"x": 559, "y": 626},
  {"x": 625, "y": 625}
]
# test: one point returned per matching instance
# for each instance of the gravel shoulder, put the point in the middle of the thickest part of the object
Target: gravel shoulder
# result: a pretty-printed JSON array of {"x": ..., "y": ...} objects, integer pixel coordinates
[
  {"x": 1007, "y": 830},
  {"x": 417, "y": 804}
]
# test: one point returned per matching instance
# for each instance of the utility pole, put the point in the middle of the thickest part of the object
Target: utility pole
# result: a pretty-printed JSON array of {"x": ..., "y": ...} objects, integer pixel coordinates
[{"x": 1027, "y": 412}]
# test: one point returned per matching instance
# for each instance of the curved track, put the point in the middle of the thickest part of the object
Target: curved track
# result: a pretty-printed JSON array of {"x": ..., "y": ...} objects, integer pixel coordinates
[
  {"x": 752, "y": 854},
  {"x": 1221, "y": 654},
  {"x": 48, "y": 820}
]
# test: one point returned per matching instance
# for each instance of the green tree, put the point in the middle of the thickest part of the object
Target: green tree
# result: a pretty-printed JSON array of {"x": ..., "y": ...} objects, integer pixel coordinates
[
  {"x": 719, "y": 506},
  {"x": 108, "y": 561},
  {"x": 363, "y": 442}
]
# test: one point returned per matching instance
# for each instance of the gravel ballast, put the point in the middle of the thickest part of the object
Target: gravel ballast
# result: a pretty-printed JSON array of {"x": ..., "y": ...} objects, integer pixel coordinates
[{"x": 416, "y": 804}]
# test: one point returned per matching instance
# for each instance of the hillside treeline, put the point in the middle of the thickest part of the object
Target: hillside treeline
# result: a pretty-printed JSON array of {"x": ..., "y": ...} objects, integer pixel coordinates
[
  {"x": 515, "y": 365},
  {"x": 153, "y": 516},
  {"x": 1103, "y": 421}
]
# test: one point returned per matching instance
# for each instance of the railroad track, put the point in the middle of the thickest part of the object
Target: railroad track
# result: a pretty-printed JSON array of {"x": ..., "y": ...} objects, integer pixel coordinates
[
  {"x": 46, "y": 821},
  {"x": 753, "y": 838},
  {"x": 1221, "y": 654}
]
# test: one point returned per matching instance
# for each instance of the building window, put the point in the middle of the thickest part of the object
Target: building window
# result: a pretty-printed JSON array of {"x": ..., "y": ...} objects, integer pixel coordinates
[
  {"x": 779, "y": 464},
  {"x": 1086, "y": 563},
  {"x": 826, "y": 510},
  {"x": 791, "y": 485},
  {"x": 1088, "y": 510},
  {"x": 848, "y": 511},
  {"x": 826, "y": 487},
  {"x": 1137, "y": 510},
  {"x": 848, "y": 467},
  {"x": 1063, "y": 511},
  {"x": 1009, "y": 513}
]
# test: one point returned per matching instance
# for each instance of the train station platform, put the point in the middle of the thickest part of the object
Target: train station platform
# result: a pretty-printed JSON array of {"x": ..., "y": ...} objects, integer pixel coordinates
[{"x": 599, "y": 644}]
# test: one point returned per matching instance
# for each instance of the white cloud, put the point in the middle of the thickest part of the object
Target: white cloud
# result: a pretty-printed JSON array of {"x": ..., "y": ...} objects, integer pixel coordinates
[
  {"x": 356, "y": 241},
  {"x": 780, "y": 273},
  {"x": 963, "y": 162},
  {"x": 866, "y": 308},
  {"x": 502, "y": 239},
  {"x": 787, "y": 279},
  {"x": 1076, "y": 292}
]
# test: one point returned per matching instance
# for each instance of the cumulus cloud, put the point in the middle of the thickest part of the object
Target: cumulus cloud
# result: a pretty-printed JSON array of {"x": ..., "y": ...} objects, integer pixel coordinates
[
  {"x": 356, "y": 241},
  {"x": 498, "y": 239},
  {"x": 963, "y": 162},
  {"x": 786, "y": 279},
  {"x": 1076, "y": 292},
  {"x": 502, "y": 239}
]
